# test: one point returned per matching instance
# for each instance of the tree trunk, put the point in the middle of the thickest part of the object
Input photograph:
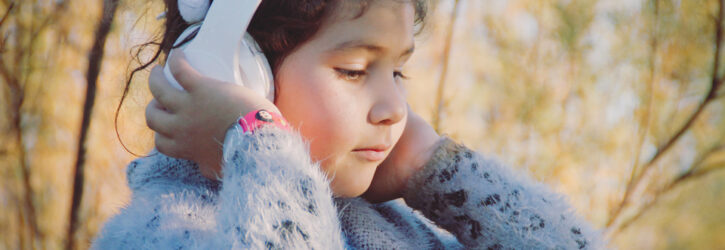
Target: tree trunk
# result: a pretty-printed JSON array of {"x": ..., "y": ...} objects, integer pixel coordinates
[{"x": 95, "y": 58}]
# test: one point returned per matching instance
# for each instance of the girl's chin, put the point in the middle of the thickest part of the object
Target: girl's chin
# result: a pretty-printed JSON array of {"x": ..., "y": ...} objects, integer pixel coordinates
[
  {"x": 350, "y": 190},
  {"x": 348, "y": 195},
  {"x": 351, "y": 176}
]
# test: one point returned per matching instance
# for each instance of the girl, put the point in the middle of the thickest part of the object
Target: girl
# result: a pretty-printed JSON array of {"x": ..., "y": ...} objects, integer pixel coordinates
[{"x": 337, "y": 67}]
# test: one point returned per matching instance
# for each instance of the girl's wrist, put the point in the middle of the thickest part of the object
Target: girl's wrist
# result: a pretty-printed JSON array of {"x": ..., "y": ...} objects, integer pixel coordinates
[{"x": 262, "y": 117}]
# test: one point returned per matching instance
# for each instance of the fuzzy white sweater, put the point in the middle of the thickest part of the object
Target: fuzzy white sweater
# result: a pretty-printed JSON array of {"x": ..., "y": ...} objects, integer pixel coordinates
[{"x": 272, "y": 196}]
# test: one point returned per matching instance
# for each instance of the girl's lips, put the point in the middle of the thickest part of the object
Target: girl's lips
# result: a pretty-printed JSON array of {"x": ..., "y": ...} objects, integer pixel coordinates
[{"x": 370, "y": 154}]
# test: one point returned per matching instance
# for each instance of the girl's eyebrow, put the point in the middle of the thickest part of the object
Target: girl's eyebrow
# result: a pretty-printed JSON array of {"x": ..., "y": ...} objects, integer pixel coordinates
[{"x": 372, "y": 48}]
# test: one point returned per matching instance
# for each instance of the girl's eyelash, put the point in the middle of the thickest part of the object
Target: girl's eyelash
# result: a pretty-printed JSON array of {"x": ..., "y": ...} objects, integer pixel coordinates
[
  {"x": 400, "y": 74},
  {"x": 353, "y": 75},
  {"x": 350, "y": 75}
]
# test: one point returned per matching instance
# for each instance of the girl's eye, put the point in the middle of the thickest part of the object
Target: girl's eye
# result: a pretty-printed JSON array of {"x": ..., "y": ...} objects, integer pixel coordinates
[
  {"x": 350, "y": 75},
  {"x": 398, "y": 74}
]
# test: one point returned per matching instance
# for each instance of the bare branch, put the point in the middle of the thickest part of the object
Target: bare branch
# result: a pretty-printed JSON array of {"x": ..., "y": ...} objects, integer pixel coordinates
[
  {"x": 644, "y": 123},
  {"x": 668, "y": 188},
  {"x": 721, "y": 95},
  {"x": 7, "y": 13},
  {"x": 7, "y": 76},
  {"x": 662, "y": 149},
  {"x": 692, "y": 174},
  {"x": 698, "y": 162},
  {"x": 444, "y": 69},
  {"x": 57, "y": 11},
  {"x": 14, "y": 80},
  {"x": 7, "y": 2}
]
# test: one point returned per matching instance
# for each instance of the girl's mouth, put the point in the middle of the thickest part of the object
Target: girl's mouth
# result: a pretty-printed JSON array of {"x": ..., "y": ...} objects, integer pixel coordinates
[{"x": 374, "y": 153}]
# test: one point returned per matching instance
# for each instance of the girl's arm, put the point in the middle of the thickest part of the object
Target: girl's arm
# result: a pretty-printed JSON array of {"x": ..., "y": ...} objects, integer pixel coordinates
[
  {"x": 271, "y": 196},
  {"x": 159, "y": 174},
  {"x": 171, "y": 207},
  {"x": 487, "y": 205}
]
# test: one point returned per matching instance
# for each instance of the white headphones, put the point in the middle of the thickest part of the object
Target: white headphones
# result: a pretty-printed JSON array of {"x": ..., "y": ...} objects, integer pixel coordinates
[{"x": 222, "y": 49}]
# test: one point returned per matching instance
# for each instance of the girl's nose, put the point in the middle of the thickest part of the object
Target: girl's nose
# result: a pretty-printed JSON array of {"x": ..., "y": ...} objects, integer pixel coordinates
[{"x": 389, "y": 106}]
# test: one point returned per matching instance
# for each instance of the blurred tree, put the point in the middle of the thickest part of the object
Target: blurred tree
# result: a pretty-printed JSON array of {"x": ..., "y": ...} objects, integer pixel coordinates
[
  {"x": 586, "y": 90},
  {"x": 692, "y": 171},
  {"x": 444, "y": 68},
  {"x": 23, "y": 26},
  {"x": 95, "y": 59}
]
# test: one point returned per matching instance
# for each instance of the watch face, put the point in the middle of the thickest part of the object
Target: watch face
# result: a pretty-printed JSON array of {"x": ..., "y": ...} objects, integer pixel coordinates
[{"x": 265, "y": 116}]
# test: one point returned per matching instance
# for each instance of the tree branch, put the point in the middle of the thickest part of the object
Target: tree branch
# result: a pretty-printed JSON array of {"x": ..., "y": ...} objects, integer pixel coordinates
[
  {"x": 7, "y": 76},
  {"x": 662, "y": 149},
  {"x": 58, "y": 10},
  {"x": 681, "y": 179},
  {"x": 692, "y": 173},
  {"x": 7, "y": 13},
  {"x": 644, "y": 123},
  {"x": 444, "y": 70},
  {"x": 15, "y": 83}
]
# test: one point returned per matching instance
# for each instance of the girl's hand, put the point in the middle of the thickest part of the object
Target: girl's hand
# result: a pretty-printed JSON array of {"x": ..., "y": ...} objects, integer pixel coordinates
[
  {"x": 191, "y": 123},
  {"x": 413, "y": 150}
]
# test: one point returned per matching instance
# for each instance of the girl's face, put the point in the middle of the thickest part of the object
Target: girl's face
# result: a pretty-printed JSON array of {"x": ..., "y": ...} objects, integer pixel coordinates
[{"x": 342, "y": 89}]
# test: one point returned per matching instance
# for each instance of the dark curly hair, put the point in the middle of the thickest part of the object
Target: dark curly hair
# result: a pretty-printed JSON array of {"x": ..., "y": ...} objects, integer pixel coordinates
[{"x": 278, "y": 26}]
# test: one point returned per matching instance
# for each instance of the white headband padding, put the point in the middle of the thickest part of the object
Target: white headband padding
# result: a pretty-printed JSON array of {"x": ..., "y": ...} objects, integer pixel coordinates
[{"x": 193, "y": 10}]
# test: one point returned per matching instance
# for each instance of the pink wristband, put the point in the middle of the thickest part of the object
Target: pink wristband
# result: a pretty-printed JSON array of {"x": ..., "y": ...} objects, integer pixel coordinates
[{"x": 258, "y": 118}]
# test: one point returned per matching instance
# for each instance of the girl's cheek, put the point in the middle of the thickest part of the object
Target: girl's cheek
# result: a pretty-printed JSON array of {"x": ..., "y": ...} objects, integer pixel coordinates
[
  {"x": 325, "y": 109},
  {"x": 336, "y": 133}
]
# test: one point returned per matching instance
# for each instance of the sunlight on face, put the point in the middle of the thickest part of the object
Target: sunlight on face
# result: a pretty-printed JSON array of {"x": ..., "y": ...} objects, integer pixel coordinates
[{"x": 343, "y": 91}]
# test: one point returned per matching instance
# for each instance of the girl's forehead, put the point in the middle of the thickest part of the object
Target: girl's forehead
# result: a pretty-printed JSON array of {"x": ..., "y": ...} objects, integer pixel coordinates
[{"x": 381, "y": 27}]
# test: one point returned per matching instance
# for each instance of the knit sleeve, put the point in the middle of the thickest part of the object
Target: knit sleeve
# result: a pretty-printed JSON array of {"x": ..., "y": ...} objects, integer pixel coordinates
[
  {"x": 273, "y": 196},
  {"x": 161, "y": 174},
  {"x": 169, "y": 209},
  {"x": 489, "y": 206}
]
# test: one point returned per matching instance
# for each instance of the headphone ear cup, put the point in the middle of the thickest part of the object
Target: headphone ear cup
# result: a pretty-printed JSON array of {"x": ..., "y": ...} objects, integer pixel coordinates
[
  {"x": 184, "y": 35},
  {"x": 193, "y": 11},
  {"x": 254, "y": 68}
]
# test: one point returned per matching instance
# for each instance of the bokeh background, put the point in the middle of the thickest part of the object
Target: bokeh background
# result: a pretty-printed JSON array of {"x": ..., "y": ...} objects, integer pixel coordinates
[{"x": 616, "y": 103}]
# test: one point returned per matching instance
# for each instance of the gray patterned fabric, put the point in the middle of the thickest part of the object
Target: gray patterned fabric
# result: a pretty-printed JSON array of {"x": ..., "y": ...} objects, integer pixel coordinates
[
  {"x": 272, "y": 196},
  {"x": 489, "y": 206}
]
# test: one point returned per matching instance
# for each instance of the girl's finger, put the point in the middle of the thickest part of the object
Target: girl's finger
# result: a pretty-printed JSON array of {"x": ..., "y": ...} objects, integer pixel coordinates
[
  {"x": 166, "y": 146},
  {"x": 183, "y": 72},
  {"x": 169, "y": 97},
  {"x": 158, "y": 120}
]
